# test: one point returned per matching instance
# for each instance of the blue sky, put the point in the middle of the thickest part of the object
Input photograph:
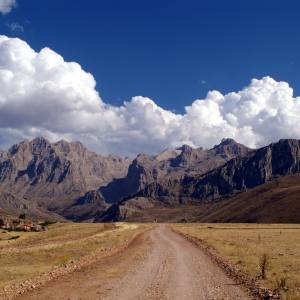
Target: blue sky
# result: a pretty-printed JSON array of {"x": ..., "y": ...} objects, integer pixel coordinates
[
  {"x": 170, "y": 51},
  {"x": 168, "y": 54}
]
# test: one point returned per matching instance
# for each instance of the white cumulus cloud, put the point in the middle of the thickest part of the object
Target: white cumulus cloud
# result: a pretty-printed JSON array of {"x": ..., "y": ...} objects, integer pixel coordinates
[
  {"x": 43, "y": 95},
  {"x": 7, "y": 5}
]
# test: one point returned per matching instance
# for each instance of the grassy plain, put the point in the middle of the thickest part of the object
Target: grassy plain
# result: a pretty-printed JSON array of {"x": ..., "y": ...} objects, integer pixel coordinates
[
  {"x": 24, "y": 255},
  {"x": 244, "y": 245}
]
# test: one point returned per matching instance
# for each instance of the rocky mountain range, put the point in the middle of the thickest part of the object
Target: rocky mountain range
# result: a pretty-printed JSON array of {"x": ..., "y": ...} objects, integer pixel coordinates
[
  {"x": 54, "y": 175},
  {"x": 238, "y": 174},
  {"x": 169, "y": 166},
  {"x": 67, "y": 181},
  {"x": 248, "y": 170}
]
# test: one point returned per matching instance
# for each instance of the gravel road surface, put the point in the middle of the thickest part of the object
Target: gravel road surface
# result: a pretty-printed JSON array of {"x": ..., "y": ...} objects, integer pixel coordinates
[{"x": 160, "y": 264}]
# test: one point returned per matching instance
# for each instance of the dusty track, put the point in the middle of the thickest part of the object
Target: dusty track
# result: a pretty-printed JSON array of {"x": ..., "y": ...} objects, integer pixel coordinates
[{"x": 159, "y": 265}]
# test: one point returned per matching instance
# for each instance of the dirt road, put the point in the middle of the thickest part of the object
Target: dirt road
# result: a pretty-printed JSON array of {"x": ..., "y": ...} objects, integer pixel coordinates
[{"x": 159, "y": 265}]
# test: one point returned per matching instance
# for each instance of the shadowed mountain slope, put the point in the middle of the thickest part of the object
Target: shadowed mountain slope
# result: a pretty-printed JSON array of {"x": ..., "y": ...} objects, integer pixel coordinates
[
  {"x": 277, "y": 201},
  {"x": 171, "y": 165},
  {"x": 237, "y": 175},
  {"x": 13, "y": 206}
]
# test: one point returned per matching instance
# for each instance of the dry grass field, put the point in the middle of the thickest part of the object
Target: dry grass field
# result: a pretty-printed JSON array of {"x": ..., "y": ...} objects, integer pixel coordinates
[
  {"x": 24, "y": 255},
  {"x": 245, "y": 245}
]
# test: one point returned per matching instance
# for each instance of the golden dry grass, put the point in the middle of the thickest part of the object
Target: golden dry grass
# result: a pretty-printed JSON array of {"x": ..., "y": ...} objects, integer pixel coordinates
[
  {"x": 36, "y": 252},
  {"x": 245, "y": 244}
]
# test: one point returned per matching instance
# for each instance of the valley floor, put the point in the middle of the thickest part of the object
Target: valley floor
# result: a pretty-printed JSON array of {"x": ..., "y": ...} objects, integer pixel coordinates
[
  {"x": 159, "y": 264},
  {"x": 150, "y": 261}
]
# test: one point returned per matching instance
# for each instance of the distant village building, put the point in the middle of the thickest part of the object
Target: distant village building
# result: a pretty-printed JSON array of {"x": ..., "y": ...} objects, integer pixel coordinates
[{"x": 20, "y": 225}]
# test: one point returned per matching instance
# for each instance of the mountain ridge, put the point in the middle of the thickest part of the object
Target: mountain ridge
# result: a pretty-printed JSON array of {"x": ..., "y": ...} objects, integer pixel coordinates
[
  {"x": 54, "y": 174},
  {"x": 236, "y": 176},
  {"x": 66, "y": 179}
]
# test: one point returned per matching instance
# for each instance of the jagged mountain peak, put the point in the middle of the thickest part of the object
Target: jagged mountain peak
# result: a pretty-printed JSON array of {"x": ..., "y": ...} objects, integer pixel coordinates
[
  {"x": 229, "y": 148},
  {"x": 40, "y": 140},
  {"x": 67, "y": 147},
  {"x": 34, "y": 146},
  {"x": 185, "y": 148},
  {"x": 227, "y": 141},
  {"x": 167, "y": 153},
  {"x": 56, "y": 172},
  {"x": 143, "y": 158},
  {"x": 63, "y": 143}
]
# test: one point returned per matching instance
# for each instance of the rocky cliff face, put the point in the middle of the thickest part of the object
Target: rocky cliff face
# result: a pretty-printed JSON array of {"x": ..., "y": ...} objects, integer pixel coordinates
[
  {"x": 86, "y": 207},
  {"x": 237, "y": 175},
  {"x": 200, "y": 161},
  {"x": 245, "y": 170},
  {"x": 141, "y": 172},
  {"x": 55, "y": 174},
  {"x": 240, "y": 174},
  {"x": 146, "y": 172}
]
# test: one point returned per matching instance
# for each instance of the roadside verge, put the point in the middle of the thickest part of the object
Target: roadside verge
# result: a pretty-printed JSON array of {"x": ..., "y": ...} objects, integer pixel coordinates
[
  {"x": 14, "y": 290},
  {"x": 232, "y": 271}
]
